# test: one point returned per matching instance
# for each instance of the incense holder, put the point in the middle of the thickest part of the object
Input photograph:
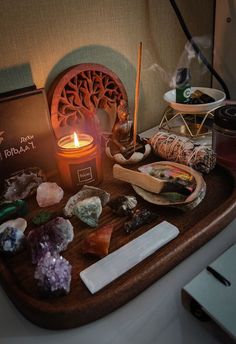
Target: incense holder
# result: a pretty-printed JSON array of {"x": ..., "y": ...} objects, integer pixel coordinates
[{"x": 133, "y": 157}]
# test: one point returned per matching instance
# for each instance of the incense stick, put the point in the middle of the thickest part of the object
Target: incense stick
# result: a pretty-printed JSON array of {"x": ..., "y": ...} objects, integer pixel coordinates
[{"x": 136, "y": 103}]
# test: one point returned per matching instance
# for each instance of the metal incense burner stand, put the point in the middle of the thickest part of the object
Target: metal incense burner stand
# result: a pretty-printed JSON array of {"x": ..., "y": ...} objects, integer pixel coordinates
[{"x": 197, "y": 126}]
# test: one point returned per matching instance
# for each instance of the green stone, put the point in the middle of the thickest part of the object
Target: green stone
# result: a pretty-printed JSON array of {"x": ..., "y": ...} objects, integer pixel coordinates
[
  {"x": 42, "y": 217},
  {"x": 12, "y": 209}
]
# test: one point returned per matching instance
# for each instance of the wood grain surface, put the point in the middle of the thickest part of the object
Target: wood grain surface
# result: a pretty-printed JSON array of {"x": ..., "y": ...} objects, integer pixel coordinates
[{"x": 80, "y": 307}]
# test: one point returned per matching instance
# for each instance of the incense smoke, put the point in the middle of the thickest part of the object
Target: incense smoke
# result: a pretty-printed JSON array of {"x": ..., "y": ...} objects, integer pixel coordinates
[{"x": 186, "y": 59}]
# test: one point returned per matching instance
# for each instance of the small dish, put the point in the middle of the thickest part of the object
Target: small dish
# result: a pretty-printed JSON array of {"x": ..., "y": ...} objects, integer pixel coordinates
[{"x": 219, "y": 96}]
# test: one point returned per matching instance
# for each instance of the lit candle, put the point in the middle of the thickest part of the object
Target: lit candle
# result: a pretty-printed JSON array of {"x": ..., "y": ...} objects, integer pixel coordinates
[{"x": 79, "y": 161}]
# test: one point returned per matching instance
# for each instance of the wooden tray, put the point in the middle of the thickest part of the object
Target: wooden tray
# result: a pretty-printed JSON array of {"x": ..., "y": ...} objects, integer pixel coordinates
[{"x": 80, "y": 307}]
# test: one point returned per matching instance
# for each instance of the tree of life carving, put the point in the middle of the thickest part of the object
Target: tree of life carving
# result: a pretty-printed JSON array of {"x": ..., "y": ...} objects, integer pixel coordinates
[{"x": 83, "y": 93}]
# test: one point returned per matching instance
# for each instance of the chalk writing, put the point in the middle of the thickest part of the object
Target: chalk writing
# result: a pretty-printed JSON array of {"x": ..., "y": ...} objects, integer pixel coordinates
[
  {"x": 11, "y": 152},
  {"x": 26, "y": 138}
]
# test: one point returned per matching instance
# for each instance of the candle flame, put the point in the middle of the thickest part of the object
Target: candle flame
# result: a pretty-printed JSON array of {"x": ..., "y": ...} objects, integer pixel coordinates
[{"x": 76, "y": 140}]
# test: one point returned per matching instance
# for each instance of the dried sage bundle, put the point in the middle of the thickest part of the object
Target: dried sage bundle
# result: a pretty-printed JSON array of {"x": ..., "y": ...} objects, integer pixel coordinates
[{"x": 184, "y": 151}]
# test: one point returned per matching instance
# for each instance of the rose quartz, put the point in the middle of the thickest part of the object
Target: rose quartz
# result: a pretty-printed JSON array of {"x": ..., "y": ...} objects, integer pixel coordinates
[{"x": 48, "y": 194}]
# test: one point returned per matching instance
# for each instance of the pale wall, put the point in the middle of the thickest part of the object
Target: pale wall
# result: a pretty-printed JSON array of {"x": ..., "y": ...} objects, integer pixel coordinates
[{"x": 51, "y": 35}]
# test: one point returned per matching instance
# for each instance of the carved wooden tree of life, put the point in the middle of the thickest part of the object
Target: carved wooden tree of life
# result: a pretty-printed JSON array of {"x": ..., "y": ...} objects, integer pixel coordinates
[{"x": 85, "y": 99}]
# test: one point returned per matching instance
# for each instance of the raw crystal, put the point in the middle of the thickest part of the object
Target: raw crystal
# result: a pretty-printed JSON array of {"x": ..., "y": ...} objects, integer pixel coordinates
[
  {"x": 48, "y": 194},
  {"x": 89, "y": 210},
  {"x": 23, "y": 184},
  {"x": 123, "y": 205},
  {"x": 12, "y": 209},
  {"x": 85, "y": 192},
  {"x": 18, "y": 223},
  {"x": 12, "y": 240},
  {"x": 138, "y": 219},
  {"x": 98, "y": 241},
  {"x": 52, "y": 237},
  {"x": 53, "y": 275}
]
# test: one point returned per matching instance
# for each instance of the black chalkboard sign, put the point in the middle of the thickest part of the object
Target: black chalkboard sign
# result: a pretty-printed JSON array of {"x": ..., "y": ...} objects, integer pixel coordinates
[{"x": 26, "y": 136}]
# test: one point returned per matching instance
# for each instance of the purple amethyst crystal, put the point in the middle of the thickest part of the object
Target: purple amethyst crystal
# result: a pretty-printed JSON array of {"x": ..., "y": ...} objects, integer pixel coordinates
[
  {"x": 52, "y": 237},
  {"x": 12, "y": 240},
  {"x": 53, "y": 275}
]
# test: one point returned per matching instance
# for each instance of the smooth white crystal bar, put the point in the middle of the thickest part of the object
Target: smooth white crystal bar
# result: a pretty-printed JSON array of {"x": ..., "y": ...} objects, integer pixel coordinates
[{"x": 106, "y": 270}]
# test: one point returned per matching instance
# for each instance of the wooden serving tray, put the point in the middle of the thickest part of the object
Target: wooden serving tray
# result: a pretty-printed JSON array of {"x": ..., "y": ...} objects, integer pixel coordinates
[{"x": 80, "y": 307}]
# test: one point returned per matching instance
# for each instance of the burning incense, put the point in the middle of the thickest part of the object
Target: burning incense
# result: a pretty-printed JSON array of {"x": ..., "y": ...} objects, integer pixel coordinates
[{"x": 137, "y": 93}]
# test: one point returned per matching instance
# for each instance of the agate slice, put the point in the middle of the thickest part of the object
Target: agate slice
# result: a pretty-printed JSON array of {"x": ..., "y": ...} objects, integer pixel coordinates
[
  {"x": 12, "y": 240},
  {"x": 53, "y": 275},
  {"x": 98, "y": 242},
  {"x": 85, "y": 192},
  {"x": 52, "y": 237},
  {"x": 49, "y": 194},
  {"x": 139, "y": 218},
  {"x": 23, "y": 184},
  {"x": 88, "y": 210},
  {"x": 123, "y": 205}
]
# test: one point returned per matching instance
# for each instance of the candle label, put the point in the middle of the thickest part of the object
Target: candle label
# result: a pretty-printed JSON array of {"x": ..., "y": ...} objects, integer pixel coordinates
[{"x": 83, "y": 173}]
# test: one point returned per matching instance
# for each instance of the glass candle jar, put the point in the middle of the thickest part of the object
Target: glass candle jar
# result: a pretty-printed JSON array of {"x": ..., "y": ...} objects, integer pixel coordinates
[
  {"x": 224, "y": 135},
  {"x": 78, "y": 164}
]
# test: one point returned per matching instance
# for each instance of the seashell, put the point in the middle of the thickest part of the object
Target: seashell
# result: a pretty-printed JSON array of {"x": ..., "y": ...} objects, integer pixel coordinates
[
  {"x": 166, "y": 169},
  {"x": 23, "y": 184},
  {"x": 85, "y": 192},
  {"x": 98, "y": 241},
  {"x": 88, "y": 210},
  {"x": 12, "y": 240},
  {"x": 18, "y": 223},
  {"x": 123, "y": 205},
  {"x": 49, "y": 194}
]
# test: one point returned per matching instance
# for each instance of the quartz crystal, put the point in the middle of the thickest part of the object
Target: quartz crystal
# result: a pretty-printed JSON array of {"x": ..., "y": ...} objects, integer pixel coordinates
[
  {"x": 53, "y": 275},
  {"x": 48, "y": 194},
  {"x": 12, "y": 240},
  {"x": 52, "y": 237},
  {"x": 89, "y": 210}
]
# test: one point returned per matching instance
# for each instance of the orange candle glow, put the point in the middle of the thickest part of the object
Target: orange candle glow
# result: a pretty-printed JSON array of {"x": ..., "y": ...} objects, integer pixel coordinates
[{"x": 79, "y": 161}]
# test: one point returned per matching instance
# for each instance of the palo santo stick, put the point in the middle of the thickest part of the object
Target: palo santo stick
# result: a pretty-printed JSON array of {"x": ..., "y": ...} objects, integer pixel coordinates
[{"x": 137, "y": 93}]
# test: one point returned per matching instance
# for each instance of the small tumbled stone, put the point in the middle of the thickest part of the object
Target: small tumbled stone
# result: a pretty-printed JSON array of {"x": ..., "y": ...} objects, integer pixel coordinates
[
  {"x": 18, "y": 223},
  {"x": 52, "y": 237},
  {"x": 139, "y": 218},
  {"x": 49, "y": 194},
  {"x": 53, "y": 275},
  {"x": 42, "y": 217},
  {"x": 10, "y": 210},
  {"x": 123, "y": 205},
  {"x": 89, "y": 210},
  {"x": 12, "y": 240}
]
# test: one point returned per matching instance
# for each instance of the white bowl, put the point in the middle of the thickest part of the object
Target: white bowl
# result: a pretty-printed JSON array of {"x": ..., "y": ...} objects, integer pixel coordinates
[{"x": 218, "y": 95}]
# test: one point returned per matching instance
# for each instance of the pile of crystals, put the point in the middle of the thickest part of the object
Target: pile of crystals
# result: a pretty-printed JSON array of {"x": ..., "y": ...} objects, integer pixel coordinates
[{"x": 53, "y": 272}]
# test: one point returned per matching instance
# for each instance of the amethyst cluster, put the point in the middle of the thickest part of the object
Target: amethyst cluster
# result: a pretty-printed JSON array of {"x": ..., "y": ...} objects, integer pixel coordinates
[
  {"x": 53, "y": 272},
  {"x": 53, "y": 275},
  {"x": 52, "y": 237}
]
